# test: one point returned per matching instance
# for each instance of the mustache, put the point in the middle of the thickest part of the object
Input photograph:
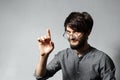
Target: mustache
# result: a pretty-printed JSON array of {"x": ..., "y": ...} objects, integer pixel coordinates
[{"x": 73, "y": 38}]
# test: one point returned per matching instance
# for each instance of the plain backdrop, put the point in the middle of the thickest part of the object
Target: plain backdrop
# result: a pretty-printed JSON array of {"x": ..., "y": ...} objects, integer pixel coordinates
[{"x": 23, "y": 21}]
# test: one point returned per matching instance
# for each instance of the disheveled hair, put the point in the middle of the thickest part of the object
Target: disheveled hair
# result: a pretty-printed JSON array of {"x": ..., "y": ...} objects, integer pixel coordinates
[{"x": 80, "y": 22}]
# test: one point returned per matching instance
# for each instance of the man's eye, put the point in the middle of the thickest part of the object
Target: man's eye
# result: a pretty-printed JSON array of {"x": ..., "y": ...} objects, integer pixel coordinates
[{"x": 68, "y": 32}]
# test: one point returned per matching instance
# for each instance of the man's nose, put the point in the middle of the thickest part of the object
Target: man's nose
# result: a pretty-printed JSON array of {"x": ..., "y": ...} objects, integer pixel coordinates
[{"x": 72, "y": 37}]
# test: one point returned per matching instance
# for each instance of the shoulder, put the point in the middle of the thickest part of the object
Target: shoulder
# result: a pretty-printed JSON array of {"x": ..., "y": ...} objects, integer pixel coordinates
[
  {"x": 103, "y": 57},
  {"x": 63, "y": 53},
  {"x": 98, "y": 53}
]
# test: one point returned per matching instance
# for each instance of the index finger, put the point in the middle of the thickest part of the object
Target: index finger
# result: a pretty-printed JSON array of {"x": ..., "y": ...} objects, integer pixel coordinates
[{"x": 48, "y": 33}]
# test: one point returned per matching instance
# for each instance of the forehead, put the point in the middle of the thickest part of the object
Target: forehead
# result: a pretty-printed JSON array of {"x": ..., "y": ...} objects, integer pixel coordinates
[{"x": 68, "y": 28}]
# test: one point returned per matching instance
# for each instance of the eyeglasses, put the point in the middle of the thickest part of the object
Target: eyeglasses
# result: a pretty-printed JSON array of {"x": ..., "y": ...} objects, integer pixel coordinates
[{"x": 67, "y": 34}]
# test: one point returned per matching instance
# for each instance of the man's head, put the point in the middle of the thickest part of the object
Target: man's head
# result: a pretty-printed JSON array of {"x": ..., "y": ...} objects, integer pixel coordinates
[{"x": 78, "y": 27}]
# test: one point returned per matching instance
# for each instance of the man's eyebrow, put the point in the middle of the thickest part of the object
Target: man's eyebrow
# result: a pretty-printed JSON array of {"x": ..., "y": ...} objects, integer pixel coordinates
[{"x": 67, "y": 30}]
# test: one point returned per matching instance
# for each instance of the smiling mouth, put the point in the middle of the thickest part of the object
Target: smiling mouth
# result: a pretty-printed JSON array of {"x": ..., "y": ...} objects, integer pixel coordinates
[{"x": 73, "y": 41}]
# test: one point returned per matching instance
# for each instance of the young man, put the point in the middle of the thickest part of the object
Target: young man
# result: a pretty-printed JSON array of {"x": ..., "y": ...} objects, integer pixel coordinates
[{"x": 79, "y": 62}]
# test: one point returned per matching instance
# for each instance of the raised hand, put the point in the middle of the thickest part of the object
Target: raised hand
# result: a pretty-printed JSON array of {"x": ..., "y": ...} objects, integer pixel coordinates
[{"x": 45, "y": 44}]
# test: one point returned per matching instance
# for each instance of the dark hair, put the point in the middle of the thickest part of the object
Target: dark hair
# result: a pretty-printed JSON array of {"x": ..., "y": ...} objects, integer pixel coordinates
[{"x": 81, "y": 22}]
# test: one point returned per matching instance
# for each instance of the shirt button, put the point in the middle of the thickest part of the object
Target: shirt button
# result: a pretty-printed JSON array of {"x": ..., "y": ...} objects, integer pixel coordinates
[{"x": 78, "y": 72}]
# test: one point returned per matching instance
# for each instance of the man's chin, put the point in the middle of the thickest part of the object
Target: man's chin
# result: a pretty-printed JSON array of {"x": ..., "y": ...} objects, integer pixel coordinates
[
  {"x": 77, "y": 46},
  {"x": 74, "y": 46}
]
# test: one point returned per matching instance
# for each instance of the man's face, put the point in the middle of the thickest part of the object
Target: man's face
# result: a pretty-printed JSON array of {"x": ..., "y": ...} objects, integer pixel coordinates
[{"x": 77, "y": 39}]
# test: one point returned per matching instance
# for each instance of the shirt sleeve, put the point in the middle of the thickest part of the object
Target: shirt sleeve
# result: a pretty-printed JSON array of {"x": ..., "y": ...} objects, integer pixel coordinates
[
  {"x": 51, "y": 68},
  {"x": 107, "y": 68}
]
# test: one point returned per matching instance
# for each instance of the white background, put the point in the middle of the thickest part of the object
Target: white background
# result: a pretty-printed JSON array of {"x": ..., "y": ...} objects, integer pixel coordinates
[{"x": 22, "y": 21}]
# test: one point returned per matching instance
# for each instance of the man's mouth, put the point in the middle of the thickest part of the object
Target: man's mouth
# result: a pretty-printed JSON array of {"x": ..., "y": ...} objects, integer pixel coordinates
[{"x": 74, "y": 41}]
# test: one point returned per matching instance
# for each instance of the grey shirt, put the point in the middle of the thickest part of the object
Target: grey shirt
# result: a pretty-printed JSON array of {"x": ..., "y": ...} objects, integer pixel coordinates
[{"x": 93, "y": 65}]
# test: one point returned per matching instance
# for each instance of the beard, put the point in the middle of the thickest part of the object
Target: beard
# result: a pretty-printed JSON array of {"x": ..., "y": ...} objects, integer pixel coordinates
[{"x": 80, "y": 44}]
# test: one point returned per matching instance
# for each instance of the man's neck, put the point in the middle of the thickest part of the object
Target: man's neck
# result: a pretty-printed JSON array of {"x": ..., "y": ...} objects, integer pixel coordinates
[{"x": 82, "y": 50}]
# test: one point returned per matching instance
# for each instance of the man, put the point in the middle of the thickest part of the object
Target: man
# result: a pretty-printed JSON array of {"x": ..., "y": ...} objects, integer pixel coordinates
[{"x": 79, "y": 62}]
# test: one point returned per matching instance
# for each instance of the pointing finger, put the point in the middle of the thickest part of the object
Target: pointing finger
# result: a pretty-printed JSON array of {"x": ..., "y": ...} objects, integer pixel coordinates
[{"x": 48, "y": 33}]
